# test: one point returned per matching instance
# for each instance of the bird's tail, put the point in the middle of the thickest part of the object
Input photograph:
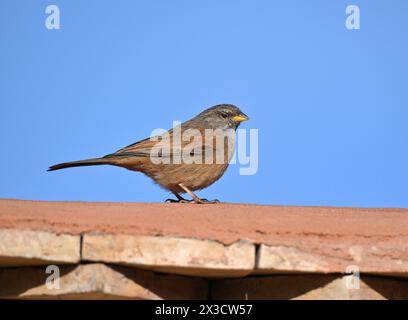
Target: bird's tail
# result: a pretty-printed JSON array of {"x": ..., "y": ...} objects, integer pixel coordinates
[{"x": 80, "y": 163}]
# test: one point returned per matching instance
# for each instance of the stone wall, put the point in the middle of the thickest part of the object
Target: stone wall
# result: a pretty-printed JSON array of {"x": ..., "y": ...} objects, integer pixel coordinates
[{"x": 187, "y": 251}]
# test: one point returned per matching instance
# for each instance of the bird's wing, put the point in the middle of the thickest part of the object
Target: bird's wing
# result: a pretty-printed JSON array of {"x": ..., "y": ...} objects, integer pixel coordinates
[
  {"x": 162, "y": 146},
  {"x": 140, "y": 148}
]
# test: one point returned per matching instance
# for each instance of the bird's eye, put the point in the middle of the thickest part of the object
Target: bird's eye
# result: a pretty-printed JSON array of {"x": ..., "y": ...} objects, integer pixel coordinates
[{"x": 224, "y": 115}]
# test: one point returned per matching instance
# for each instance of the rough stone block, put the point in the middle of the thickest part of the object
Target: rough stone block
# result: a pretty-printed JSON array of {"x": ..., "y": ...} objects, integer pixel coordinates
[
  {"x": 27, "y": 247},
  {"x": 333, "y": 257},
  {"x": 195, "y": 257}
]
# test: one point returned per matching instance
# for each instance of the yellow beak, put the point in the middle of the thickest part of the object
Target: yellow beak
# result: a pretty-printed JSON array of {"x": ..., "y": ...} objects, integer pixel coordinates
[{"x": 240, "y": 118}]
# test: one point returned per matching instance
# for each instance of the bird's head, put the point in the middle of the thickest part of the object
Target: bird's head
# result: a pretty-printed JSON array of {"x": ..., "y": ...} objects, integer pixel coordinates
[{"x": 223, "y": 116}]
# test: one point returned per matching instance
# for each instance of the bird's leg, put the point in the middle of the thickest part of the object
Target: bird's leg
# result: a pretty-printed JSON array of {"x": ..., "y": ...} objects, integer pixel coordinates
[
  {"x": 194, "y": 197},
  {"x": 180, "y": 199}
]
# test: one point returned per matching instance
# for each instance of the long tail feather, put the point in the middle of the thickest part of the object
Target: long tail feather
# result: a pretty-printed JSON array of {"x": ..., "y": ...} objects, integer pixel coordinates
[{"x": 80, "y": 163}]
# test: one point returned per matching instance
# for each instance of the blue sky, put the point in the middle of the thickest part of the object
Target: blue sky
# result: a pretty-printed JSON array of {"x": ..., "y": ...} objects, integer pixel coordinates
[{"x": 331, "y": 104}]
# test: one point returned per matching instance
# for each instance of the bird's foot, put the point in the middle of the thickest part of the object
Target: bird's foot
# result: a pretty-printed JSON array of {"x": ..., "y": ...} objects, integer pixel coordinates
[
  {"x": 196, "y": 200},
  {"x": 203, "y": 201},
  {"x": 194, "y": 197},
  {"x": 178, "y": 201}
]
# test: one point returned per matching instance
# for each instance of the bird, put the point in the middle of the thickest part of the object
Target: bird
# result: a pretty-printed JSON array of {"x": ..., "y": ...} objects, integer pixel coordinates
[{"x": 189, "y": 157}]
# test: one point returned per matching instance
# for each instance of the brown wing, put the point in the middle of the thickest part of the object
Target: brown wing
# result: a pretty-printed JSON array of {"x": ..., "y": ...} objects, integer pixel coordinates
[
  {"x": 141, "y": 148},
  {"x": 144, "y": 148},
  {"x": 197, "y": 147}
]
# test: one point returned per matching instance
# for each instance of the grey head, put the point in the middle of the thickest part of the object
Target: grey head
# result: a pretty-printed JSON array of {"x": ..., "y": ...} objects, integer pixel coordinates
[{"x": 221, "y": 116}]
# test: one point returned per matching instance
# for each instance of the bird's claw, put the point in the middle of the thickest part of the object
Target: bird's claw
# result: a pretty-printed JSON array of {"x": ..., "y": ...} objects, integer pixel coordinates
[
  {"x": 197, "y": 201},
  {"x": 171, "y": 201},
  {"x": 208, "y": 201},
  {"x": 177, "y": 201}
]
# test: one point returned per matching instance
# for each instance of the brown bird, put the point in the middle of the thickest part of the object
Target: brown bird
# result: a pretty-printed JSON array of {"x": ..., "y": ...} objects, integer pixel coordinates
[{"x": 189, "y": 157}]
